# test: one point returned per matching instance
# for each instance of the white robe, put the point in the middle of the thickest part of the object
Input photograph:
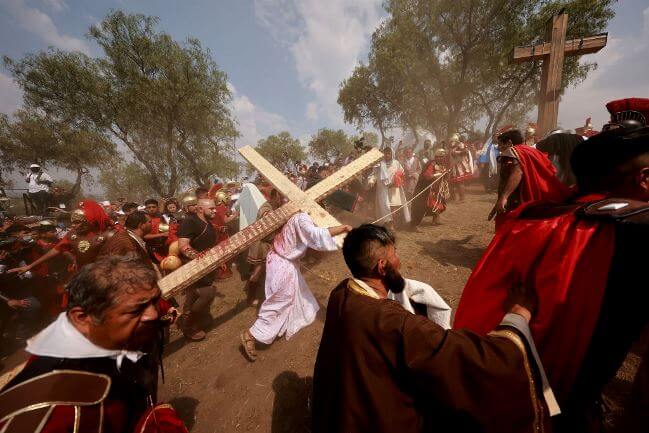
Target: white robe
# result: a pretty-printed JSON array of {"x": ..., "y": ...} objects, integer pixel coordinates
[
  {"x": 250, "y": 200},
  {"x": 289, "y": 304},
  {"x": 388, "y": 196}
]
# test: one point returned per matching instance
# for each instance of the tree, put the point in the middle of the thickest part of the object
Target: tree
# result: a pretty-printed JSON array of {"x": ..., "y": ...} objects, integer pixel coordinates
[
  {"x": 363, "y": 102},
  {"x": 330, "y": 145},
  {"x": 126, "y": 180},
  {"x": 443, "y": 64},
  {"x": 31, "y": 137},
  {"x": 166, "y": 102},
  {"x": 281, "y": 150}
]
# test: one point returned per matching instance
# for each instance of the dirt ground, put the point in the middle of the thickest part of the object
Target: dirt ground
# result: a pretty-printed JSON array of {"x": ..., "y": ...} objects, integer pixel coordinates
[{"x": 215, "y": 389}]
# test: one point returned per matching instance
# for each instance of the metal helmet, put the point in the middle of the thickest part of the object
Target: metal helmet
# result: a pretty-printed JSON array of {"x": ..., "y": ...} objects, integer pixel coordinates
[
  {"x": 221, "y": 197},
  {"x": 440, "y": 153},
  {"x": 163, "y": 228},
  {"x": 455, "y": 138},
  {"x": 170, "y": 263},
  {"x": 189, "y": 200},
  {"x": 530, "y": 131},
  {"x": 78, "y": 216}
]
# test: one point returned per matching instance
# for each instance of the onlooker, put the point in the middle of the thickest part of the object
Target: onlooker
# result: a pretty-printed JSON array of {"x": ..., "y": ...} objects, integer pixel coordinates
[{"x": 39, "y": 187}]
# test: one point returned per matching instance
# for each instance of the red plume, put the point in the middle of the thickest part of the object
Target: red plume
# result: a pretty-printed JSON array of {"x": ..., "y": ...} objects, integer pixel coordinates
[{"x": 95, "y": 215}]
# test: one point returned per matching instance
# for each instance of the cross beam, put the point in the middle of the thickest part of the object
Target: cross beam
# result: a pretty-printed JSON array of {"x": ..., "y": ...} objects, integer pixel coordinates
[
  {"x": 552, "y": 53},
  {"x": 298, "y": 201}
]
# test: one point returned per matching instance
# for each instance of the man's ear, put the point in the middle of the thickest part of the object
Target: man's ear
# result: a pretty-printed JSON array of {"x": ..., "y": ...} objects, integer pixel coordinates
[
  {"x": 80, "y": 320},
  {"x": 381, "y": 266},
  {"x": 643, "y": 178}
]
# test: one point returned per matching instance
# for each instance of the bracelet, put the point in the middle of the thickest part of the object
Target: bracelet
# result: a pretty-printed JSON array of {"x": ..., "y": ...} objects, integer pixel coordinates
[{"x": 190, "y": 253}]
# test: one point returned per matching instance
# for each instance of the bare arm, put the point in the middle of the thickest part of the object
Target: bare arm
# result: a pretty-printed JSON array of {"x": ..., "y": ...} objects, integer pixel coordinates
[
  {"x": 186, "y": 249},
  {"x": 511, "y": 183},
  {"x": 45, "y": 257},
  {"x": 335, "y": 231}
]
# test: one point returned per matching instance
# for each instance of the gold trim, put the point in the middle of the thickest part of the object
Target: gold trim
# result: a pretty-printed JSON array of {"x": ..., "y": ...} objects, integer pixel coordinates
[
  {"x": 101, "y": 417},
  {"x": 536, "y": 403},
  {"x": 357, "y": 288},
  {"x": 153, "y": 409},
  {"x": 6, "y": 426},
  {"x": 56, "y": 403},
  {"x": 46, "y": 417},
  {"x": 77, "y": 419}
]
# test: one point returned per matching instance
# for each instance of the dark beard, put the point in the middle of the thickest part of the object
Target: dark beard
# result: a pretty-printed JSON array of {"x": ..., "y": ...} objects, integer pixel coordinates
[{"x": 393, "y": 280}]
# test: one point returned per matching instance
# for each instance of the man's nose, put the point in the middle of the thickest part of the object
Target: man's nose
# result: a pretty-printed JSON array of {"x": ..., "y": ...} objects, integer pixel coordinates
[{"x": 150, "y": 313}]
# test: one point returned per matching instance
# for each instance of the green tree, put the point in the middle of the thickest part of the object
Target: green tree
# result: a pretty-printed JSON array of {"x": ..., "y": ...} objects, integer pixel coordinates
[
  {"x": 126, "y": 180},
  {"x": 31, "y": 137},
  {"x": 443, "y": 64},
  {"x": 281, "y": 150},
  {"x": 330, "y": 145},
  {"x": 167, "y": 102}
]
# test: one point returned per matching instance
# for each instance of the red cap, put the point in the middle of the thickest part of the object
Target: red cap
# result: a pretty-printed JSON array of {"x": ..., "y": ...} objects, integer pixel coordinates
[{"x": 620, "y": 106}]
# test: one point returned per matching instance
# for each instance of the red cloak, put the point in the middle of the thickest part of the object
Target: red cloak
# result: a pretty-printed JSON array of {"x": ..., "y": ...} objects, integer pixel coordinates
[
  {"x": 540, "y": 181},
  {"x": 566, "y": 260}
]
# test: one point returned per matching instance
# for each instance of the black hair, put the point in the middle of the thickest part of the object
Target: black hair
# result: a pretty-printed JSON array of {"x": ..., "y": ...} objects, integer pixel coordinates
[
  {"x": 127, "y": 207},
  {"x": 360, "y": 248},
  {"x": 598, "y": 162},
  {"x": 151, "y": 201},
  {"x": 514, "y": 135},
  {"x": 135, "y": 219},
  {"x": 96, "y": 287}
]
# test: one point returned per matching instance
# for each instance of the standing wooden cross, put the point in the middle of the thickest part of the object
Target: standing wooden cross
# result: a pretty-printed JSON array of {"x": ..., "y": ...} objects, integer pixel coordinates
[
  {"x": 299, "y": 201},
  {"x": 552, "y": 52}
]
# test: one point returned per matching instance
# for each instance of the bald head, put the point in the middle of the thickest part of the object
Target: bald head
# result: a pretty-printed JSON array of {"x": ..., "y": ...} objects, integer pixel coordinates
[{"x": 206, "y": 208}]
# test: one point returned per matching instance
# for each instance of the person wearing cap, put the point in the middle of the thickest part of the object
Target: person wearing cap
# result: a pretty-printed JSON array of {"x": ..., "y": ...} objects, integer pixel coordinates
[
  {"x": 584, "y": 259},
  {"x": 39, "y": 187}
]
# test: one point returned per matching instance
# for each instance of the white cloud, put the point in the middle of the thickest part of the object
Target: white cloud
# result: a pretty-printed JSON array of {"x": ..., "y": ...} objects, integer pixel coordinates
[
  {"x": 326, "y": 39},
  {"x": 56, "y": 5},
  {"x": 255, "y": 123},
  {"x": 41, "y": 24},
  {"x": 621, "y": 73},
  {"x": 11, "y": 96}
]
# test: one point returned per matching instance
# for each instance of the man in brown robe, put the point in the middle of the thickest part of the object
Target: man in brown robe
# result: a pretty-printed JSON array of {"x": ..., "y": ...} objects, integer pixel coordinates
[
  {"x": 131, "y": 240},
  {"x": 381, "y": 368}
]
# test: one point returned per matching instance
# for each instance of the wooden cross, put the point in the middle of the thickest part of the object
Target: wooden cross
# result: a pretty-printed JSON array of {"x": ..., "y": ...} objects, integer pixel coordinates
[
  {"x": 552, "y": 52},
  {"x": 299, "y": 201}
]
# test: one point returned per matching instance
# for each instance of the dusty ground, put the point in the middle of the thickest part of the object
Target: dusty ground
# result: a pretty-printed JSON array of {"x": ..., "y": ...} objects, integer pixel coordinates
[{"x": 216, "y": 390}]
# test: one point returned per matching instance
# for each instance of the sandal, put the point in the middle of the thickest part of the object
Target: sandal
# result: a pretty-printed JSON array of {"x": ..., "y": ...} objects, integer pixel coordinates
[{"x": 248, "y": 343}]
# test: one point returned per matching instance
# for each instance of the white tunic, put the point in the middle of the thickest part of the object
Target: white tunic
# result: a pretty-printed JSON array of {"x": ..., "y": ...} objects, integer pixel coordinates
[
  {"x": 289, "y": 304},
  {"x": 388, "y": 196}
]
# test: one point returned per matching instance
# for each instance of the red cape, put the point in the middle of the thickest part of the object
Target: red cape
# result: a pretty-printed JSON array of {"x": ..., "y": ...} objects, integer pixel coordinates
[
  {"x": 566, "y": 259},
  {"x": 540, "y": 181}
]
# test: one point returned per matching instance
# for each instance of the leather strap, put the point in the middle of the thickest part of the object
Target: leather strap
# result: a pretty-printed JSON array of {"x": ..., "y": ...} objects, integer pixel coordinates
[{"x": 58, "y": 387}]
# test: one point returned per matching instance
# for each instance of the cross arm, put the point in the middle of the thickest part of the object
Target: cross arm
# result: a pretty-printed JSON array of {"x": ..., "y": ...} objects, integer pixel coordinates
[
  {"x": 574, "y": 47},
  {"x": 272, "y": 174}
]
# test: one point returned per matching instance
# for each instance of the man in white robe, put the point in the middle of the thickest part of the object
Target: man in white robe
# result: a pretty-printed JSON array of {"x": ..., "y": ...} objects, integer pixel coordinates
[
  {"x": 412, "y": 168},
  {"x": 289, "y": 304},
  {"x": 389, "y": 178}
]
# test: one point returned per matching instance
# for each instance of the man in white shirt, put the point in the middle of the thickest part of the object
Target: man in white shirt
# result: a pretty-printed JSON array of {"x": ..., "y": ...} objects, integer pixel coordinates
[{"x": 39, "y": 187}]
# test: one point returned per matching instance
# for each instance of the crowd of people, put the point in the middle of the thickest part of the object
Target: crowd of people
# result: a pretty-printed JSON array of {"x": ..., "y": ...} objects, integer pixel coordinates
[{"x": 544, "y": 322}]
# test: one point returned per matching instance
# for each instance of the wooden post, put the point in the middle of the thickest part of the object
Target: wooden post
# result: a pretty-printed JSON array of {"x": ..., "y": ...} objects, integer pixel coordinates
[
  {"x": 551, "y": 76},
  {"x": 552, "y": 52}
]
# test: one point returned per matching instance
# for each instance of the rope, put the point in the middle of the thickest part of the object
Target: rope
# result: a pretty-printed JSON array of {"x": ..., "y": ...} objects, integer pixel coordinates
[{"x": 413, "y": 199}]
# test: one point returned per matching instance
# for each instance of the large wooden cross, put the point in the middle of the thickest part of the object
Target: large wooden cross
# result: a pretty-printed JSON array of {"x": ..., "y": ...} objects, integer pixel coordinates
[
  {"x": 299, "y": 201},
  {"x": 552, "y": 52}
]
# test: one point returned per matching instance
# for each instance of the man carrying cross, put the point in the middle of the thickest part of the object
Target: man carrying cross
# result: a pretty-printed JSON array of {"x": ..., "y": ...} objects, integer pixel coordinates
[{"x": 289, "y": 304}]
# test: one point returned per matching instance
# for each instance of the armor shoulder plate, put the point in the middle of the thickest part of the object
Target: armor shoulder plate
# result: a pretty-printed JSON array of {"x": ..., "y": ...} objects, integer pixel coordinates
[{"x": 616, "y": 210}]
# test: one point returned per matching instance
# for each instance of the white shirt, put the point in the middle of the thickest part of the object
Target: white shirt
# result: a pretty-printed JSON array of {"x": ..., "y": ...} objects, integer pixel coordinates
[
  {"x": 33, "y": 178},
  {"x": 62, "y": 340}
]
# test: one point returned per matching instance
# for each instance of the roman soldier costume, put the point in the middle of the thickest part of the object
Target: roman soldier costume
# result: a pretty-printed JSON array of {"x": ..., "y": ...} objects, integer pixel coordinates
[
  {"x": 85, "y": 243},
  {"x": 71, "y": 385}
]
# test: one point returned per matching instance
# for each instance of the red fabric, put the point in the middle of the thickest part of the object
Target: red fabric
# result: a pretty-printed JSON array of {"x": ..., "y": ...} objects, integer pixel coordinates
[
  {"x": 540, "y": 181},
  {"x": 214, "y": 189},
  {"x": 173, "y": 233},
  {"x": 161, "y": 419},
  {"x": 398, "y": 180},
  {"x": 96, "y": 215},
  {"x": 567, "y": 261},
  {"x": 630, "y": 104}
]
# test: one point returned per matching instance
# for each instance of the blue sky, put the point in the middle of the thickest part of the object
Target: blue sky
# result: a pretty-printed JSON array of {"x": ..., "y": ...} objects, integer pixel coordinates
[{"x": 286, "y": 58}]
